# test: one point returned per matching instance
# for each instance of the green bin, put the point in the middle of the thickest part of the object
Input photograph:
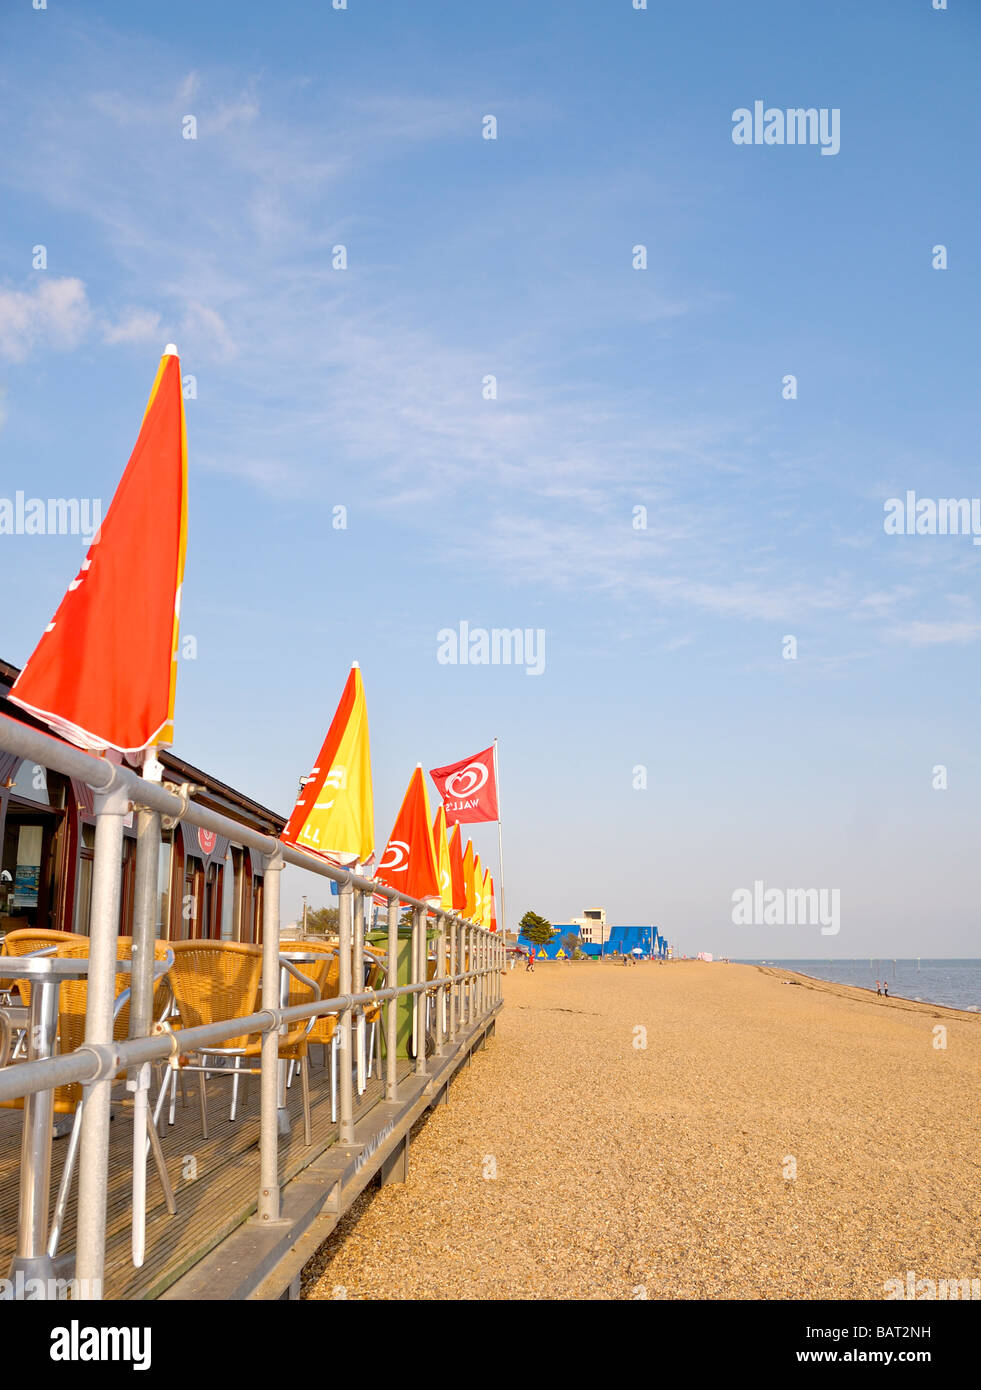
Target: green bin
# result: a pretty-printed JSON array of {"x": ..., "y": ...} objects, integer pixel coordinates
[{"x": 403, "y": 966}]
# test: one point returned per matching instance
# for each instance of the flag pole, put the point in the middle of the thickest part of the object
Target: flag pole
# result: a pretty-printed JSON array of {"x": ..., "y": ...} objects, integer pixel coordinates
[{"x": 500, "y": 851}]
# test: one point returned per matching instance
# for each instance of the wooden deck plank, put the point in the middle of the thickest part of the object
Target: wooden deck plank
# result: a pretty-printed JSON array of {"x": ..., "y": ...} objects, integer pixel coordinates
[{"x": 209, "y": 1205}]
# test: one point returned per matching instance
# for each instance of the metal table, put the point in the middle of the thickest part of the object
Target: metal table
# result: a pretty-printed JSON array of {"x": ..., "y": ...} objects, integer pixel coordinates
[{"x": 45, "y": 974}]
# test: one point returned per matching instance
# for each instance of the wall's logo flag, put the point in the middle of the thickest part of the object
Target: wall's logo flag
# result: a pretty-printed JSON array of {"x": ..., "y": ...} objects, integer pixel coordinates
[
  {"x": 443, "y": 861},
  {"x": 470, "y": 903},
  {"x": 457, "y": 881},
  {"x": 409, "y": 861},
  {"x": 104, "y": 674},
  {"x": 334, "y": 814},
  {"x": 468, "y": 788}
]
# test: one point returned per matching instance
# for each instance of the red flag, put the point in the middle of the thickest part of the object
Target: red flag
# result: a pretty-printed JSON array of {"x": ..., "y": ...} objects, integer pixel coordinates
[
  {"x": 458, "y": 882},
  {"x": 104, "y": 673},
  {"x": 409, "y": 861},
  {"x": 493, "y": 907},
  {"x": 468, "y": 788}
]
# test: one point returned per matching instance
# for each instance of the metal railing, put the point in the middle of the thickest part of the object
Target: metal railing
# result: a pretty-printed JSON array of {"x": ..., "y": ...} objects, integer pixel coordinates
[{"x": 463, "y": 996}]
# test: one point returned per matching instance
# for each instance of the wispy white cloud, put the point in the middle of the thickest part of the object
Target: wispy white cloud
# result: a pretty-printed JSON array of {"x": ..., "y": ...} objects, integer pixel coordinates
[
  {"x": 133, "y": 326},
  {"x": 53, "y": 313},
  {"x": 312, "y": 372},
  {"x": 956, "y": 631}
]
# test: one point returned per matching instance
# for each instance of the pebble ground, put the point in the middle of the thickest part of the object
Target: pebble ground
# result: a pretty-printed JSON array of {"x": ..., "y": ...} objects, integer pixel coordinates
[{"x": 685, "y": 1131}]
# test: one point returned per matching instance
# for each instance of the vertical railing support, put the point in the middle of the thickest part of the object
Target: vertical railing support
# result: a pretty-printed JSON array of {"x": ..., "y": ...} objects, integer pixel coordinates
[
  {"x": 454, "y": 989},
  {"x": 141, "y": 1002},
  {"x": 93, "y": 1159},
  {"x": 269, "y": 1080},
  {"x": 441, "y": 992},
  {"x": 419, "y": 977},
  {"x": 391, "y": 1011},
  {"x": 345, "y": 925},
  {"x": 478, "y": 937},
  {"x": 357, "y": 980}
]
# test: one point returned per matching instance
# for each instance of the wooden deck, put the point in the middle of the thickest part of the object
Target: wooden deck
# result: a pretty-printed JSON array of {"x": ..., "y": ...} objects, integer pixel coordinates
[{"x": 215, "y": 1179}]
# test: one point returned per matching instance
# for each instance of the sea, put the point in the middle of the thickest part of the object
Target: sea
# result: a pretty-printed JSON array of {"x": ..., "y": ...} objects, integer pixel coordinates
[{"x": 956, "y": 983}]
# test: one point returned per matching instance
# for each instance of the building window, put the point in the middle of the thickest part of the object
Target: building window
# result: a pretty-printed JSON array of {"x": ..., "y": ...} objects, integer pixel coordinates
[
  {"x": 83, "y": 889},
  {"x": 192, "y": 906},
  {"x": 31, "y": 783},
  {"x": 163, "y": 882}
]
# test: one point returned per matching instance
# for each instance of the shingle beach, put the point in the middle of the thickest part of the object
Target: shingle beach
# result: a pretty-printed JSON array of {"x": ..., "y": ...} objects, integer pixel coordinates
[{"x": 665, "y": 1170}]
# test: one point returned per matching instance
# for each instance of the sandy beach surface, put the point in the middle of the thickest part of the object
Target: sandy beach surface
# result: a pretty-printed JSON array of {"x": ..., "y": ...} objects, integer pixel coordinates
[{"x": 574, "y": 1163}]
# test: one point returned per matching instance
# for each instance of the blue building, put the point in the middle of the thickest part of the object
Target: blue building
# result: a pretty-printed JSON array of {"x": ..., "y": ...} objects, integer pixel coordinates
[{"x": 621, "y": 941}]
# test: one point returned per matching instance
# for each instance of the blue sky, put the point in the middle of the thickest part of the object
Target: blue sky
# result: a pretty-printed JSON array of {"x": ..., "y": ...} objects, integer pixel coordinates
[{"x": 617, "y": 388}]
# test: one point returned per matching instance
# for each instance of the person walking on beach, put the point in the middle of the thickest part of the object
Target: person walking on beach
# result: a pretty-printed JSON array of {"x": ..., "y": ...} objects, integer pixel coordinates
[
  {"x": 878, "y": 987},
  {"x": 885, "y": 988},
  {"x": 531, "y": 961}
]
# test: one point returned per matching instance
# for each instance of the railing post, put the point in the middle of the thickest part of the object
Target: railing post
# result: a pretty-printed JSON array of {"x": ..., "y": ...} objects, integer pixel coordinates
[
  {"x": 441, "y": 992},
  {"x": 419, "y": 929},
  {"x": 93, "y": 1159},
  {"x": 141, "y": 1001},
  {"x": 454, "y": 989},
  {"x": 144, "y": 922},
  {"x": 484, "y": 975},
  {"x": 471, "y": 996},
  {"x": 268, "y": 1206},
  {"x": 345, "y": 923},
  {"x": 475, "y": 983},
  {"x": 391, "y": 1012},
  {"x": 481, "y": 977},
  {"x": 357, "y": 976}
]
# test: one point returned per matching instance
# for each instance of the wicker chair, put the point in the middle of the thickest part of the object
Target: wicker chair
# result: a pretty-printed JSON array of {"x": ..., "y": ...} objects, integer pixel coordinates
[
  {"x": 218, "y": 980},
  {"x": 70, "y": 1099},
  {"x": 323, "y": 1029},
  {"x": 377, "y": 975},
  {"x": 26, "y": 941}
]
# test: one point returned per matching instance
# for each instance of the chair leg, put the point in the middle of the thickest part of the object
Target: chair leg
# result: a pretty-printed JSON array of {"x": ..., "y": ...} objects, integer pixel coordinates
[
  {"x": 203, "y": 1102},
  {"x": 66, "y": 1181},
  {"x": 158, "y": 1159},
  {"x": 237, "y": 1063},
  {"x": 165, "y": 1081},
  {"x": 359, "y": 1054},
  {"x": 304, "y": 1065}
]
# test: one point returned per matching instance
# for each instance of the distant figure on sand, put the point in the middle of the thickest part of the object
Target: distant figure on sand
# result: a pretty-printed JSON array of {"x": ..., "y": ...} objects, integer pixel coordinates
[
  {"x": 885, "y": 988},
  {"x": 531, "y": 960},
  {"x": 878, "y": 987}
]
